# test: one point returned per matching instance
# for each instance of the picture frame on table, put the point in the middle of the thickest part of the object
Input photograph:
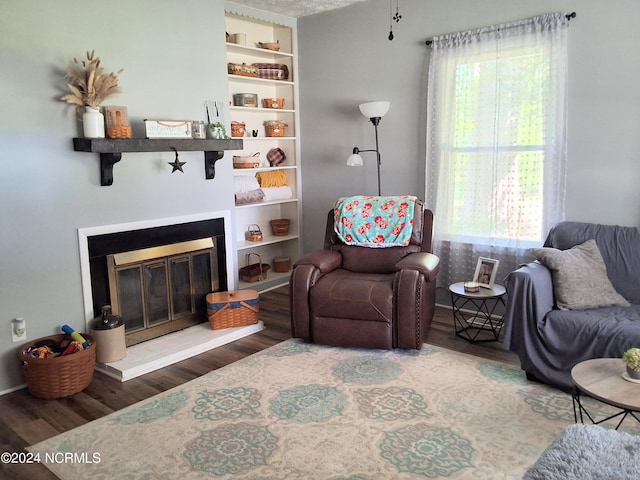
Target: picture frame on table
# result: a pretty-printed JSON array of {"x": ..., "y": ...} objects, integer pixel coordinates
[{"x": 486, "y": 271}]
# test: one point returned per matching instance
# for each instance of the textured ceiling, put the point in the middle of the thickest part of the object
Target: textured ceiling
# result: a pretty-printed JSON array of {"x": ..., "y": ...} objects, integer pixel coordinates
[{"x": 296, "y": 8}]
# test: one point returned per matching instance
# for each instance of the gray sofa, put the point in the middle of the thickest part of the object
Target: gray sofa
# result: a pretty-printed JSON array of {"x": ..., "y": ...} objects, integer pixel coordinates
[{"x": 551, "y": 336}]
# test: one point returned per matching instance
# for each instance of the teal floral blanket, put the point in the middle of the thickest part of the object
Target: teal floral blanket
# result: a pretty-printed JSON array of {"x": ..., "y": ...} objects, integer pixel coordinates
[{"x": 375, "y": 221}]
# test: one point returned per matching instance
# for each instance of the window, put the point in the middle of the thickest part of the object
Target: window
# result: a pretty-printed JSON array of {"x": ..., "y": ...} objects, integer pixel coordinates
[{"x": 496, "y": 150}]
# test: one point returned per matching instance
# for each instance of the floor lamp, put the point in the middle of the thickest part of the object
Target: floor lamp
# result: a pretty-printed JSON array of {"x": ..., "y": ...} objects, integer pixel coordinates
[{"x": 374, "y": 111}]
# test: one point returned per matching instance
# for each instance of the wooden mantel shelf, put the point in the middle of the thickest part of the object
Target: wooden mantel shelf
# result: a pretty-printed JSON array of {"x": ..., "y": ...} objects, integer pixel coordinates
[{"x": 111, "y": 150}]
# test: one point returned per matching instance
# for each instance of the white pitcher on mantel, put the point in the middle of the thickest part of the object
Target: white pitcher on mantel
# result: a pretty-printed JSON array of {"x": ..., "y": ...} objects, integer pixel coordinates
[{"x": 93, "y": 122}]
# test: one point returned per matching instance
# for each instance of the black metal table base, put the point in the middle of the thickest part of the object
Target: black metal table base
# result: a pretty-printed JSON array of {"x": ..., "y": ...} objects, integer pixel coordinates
[
  {"x": 579, "y": 413},
  {"x": 478, "y": 320}
]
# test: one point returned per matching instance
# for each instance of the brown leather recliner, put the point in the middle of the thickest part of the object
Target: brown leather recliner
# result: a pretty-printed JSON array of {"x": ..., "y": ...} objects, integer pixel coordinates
[{"x": 354, "y": 296}]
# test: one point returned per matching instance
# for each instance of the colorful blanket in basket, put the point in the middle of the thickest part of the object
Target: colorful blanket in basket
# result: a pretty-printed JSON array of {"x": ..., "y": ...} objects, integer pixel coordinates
[{"x": 374, "y": 221}]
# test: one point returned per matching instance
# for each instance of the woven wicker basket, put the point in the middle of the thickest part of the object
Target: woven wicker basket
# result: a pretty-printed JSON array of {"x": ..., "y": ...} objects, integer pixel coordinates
[
  {"x": 254, "y": 234},
  {"x": 280, "y": 227},
  {"x": 254, "y": 272},
  {"x": 237, "y": 129},
  {"x": 119, "y": 131},
  {"x": 277, "y": 103},
  {"x": 281, "y": 264},
  {"x": 58, "y": 377},
  {"x": 275, "y": 128},
  {"x": 243, "y": 70},
  {"x": 252, "y": 161},
  {"x": 233, "y": 309}
]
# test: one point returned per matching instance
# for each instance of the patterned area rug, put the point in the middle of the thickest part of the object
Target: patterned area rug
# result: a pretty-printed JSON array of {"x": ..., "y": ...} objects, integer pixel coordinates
[{"x": 300, "y": 411}]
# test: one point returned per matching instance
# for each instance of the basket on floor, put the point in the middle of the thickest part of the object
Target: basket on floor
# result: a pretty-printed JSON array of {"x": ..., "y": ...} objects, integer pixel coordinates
[
  {"x": 233, "y": 309},
  {"x": 62, "y": 376}
]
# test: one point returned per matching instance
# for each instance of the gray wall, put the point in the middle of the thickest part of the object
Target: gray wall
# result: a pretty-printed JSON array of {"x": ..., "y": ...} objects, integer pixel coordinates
[
  {"x": 174, "y": 59},
  {"x": 346, "y": 59}
]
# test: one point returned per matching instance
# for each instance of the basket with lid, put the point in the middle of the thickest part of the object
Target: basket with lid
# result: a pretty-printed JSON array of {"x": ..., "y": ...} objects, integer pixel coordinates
[
  {"x": 275, "y": 128},
  {"x": 233, "y": 309},
  {"x": 281, "y": 264},
  {"x": 280, "y": 226}
]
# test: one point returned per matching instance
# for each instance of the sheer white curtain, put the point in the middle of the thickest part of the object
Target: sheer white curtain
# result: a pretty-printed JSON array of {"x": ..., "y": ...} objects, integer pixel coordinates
[{"x": 496, "y": 142}]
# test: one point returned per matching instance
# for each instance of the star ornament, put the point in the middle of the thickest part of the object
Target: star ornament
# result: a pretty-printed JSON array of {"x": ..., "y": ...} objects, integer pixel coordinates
[{"x": 176, "y": 164}]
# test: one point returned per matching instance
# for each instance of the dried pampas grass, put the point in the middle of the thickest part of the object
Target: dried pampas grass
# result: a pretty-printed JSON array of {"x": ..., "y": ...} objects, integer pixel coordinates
[{"x": 88, "y": 83}]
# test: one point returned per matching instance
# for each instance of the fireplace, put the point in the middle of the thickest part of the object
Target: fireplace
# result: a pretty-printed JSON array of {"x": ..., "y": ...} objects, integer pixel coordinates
[
  {"x": 159, "y": 290},
  {"x": 155, "y": 274}
]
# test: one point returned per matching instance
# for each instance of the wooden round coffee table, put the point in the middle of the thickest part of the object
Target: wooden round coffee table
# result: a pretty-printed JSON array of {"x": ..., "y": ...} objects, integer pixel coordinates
[{"x": 601, "y": 378}]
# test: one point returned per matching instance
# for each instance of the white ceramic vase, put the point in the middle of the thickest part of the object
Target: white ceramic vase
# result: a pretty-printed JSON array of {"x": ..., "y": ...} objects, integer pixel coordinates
[{"x": 93, "y": 123}]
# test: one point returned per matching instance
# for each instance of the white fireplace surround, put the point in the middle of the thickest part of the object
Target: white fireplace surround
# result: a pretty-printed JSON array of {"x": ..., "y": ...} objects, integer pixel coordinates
[{"x": 160, "y": 352}]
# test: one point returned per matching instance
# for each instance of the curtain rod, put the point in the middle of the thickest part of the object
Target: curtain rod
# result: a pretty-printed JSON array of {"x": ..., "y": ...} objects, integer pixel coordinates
[{"x": 569, "y": 16}]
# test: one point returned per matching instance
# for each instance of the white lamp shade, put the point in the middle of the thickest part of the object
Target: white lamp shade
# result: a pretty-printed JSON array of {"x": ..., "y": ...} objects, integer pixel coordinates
[
  {"x": 374, "y": 109},
  {"x": 354, "y": 160}
]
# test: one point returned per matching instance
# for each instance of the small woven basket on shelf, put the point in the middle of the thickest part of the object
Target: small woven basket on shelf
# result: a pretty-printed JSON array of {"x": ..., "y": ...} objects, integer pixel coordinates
[
  {"x": 252, "y": 161},
  {"x": 237, "y": 129},
  {"x": 275, "y": 128},
  {"x": 233, "y": 309},
  {"x": 281, "y": 264},
  {"x": 277, "y": 103},
  {"x": 58, "y": 377},
  {"x": 119, "y": 131},
  {"x": 280, "y": 227},
  {"x": 254, "y": 234},
  {"x": 115, "y": 126}
]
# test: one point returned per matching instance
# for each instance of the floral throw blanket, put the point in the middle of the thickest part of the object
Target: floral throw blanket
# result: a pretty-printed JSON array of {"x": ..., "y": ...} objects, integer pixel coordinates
[{"x": 374, "y": 221}]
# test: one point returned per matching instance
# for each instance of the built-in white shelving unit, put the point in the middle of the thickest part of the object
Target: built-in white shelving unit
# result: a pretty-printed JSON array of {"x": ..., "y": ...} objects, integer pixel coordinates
[{"x": 260, "y": 27}]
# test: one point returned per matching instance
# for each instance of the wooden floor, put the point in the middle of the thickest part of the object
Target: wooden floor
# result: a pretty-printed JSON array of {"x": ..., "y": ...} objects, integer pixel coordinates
[{"x": 25, "y": 420}]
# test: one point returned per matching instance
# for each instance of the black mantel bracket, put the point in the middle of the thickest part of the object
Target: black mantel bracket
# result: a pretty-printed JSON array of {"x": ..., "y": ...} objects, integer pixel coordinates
[{"x": 111, "y": 150}]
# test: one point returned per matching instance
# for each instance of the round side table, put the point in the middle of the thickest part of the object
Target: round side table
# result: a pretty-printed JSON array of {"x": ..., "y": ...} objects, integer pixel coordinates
[
  {"x": 601, "y": 378},
  {"x": 473, "y": 312}
]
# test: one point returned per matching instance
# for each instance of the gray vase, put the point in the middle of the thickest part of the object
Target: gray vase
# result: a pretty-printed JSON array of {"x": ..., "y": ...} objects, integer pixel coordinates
[{"x": 635, "y": 374}]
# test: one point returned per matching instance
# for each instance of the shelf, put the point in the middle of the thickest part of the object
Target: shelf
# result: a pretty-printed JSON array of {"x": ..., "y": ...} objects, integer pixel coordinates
[
  {"x": 256, "y": 51},
  {"x": 111, "y": 150},
  {"x": 242, "y": 78},
  {"x": 262, "y": 204},
  {"x": 268, "y": 138},
  {"x": 261, "y": 109},
  {"x": 262, "y": 29},
  {"x": 268, "y": 240},
  {"x": 245, "y": 171},
  {"x": 274, "y": 280}
]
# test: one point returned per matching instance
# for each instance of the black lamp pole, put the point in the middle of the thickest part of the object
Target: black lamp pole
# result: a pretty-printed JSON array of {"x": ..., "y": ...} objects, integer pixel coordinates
[
  {"x": 356, "y": 150},
  {"x": 376, "y": 121}
]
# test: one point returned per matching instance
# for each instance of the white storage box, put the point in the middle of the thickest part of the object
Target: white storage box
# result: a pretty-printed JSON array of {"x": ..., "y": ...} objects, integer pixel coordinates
[{"x": 168, "y": 128}]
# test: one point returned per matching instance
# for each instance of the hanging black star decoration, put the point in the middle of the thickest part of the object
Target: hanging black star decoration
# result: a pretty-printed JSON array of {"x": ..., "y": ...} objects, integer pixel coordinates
[{"x": 176, "y": 164}]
